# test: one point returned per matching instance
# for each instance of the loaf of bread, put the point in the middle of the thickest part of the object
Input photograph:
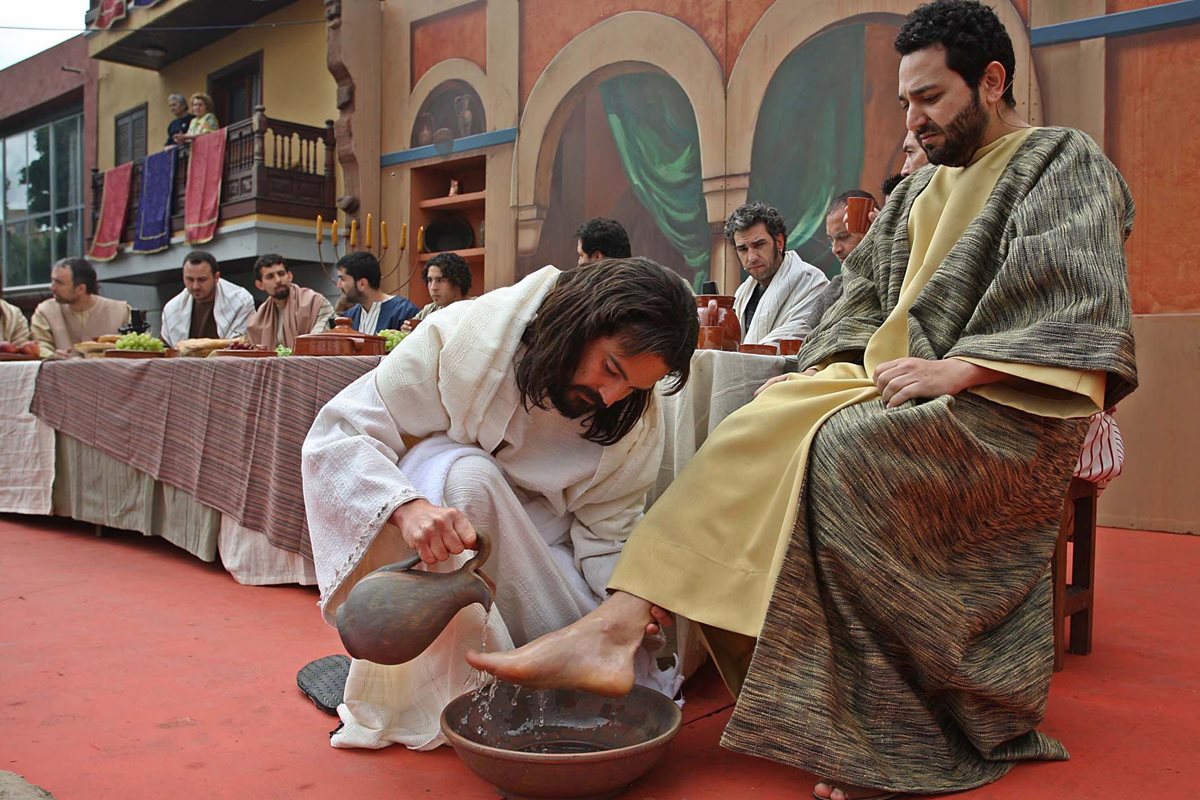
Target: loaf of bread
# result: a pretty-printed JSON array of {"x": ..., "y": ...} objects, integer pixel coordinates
[{"x": 199, "y": 348}]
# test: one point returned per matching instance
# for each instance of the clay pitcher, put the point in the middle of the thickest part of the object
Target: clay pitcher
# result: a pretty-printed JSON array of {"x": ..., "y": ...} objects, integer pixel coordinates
[
  {"x": 717, "y": 309},
  {"x": 393, "y": 614}
]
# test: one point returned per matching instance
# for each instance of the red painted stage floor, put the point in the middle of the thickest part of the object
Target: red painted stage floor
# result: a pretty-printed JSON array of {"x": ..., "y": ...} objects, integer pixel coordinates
[{"x": 131, "y": 670}]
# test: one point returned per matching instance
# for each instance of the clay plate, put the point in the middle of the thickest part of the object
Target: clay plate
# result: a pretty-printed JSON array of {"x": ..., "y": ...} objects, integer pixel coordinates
[
  {"x": 114, "y": 353},
  {"x": 17, "y": 357},
  {"x": 246, "y": 353}
]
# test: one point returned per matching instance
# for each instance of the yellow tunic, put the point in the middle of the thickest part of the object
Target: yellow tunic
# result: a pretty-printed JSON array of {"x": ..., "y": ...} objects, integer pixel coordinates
[{"x": 711, "y": 547}]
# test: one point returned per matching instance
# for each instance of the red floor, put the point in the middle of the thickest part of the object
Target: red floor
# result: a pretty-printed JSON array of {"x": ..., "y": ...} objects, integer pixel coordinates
[{"x": 131, "y": 670}]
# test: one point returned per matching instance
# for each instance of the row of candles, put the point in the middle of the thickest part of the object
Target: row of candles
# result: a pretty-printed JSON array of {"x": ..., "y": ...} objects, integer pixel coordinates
[{"x": 367, "y": 233}]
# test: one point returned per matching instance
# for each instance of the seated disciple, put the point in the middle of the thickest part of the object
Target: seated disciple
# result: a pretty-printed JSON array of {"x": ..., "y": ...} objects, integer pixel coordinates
[
  {"x": 599, "y": 238},
  {"x": 76, "y": 313},
  {"x": 289, "y": 311},
  {"x": 181, "y": 119},
  {"x": 842, "y": 242},
  {"x": 775, "y": 301},
  {"x": 448, "y": 278},
  {"x": 875, "y": 586},
  {"x": 358, "y": 279},
  {"x": 13, "y": 327},
  {"x": 209, "y": 307},
  {"x": 537, "y": 411},
  {"x": 203, "y": 119}
]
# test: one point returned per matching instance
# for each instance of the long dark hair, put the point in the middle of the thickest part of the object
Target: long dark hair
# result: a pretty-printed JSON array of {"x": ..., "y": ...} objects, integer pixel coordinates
[{"x": 648, "y": 308}]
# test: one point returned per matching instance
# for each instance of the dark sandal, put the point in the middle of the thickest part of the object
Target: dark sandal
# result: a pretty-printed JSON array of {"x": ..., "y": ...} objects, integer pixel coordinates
[{"x": 324, "y": 681}]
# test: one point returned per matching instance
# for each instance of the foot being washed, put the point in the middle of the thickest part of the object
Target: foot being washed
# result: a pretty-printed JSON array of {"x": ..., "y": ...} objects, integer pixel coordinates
[{"x": 594, "y": 654}]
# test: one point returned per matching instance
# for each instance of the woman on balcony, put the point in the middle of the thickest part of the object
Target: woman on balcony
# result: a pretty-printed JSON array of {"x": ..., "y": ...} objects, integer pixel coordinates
[{"x": 203, "y": 121}]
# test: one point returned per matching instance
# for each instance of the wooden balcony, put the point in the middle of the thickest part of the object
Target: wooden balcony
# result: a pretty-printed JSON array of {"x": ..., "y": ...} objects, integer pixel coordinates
[{"x": 271, "y": 167}]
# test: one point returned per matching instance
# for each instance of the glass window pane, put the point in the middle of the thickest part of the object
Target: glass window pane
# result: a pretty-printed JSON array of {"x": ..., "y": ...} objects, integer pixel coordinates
[
  {"x": 15, "y": 162},
  {"x": 16, "y": 261},
  {"x": 41, "y": 237},
  {"x": 68, "y": 163},
  {"x": 68, "y": 234},
  {"x": 38, "y": 171}
]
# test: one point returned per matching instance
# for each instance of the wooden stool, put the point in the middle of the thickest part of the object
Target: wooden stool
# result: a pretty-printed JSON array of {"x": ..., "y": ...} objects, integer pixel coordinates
[{"x": 1073, "y": 601}]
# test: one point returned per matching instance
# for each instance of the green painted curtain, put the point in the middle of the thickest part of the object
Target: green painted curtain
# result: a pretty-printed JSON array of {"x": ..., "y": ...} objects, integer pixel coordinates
[
  {"x": 654, "y": 128},
  {"x": 808, "y": 145}
]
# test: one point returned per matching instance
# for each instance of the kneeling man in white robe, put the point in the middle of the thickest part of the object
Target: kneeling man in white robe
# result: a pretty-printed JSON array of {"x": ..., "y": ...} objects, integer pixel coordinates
[
  {"x": 777, "y": 299},
  {"x": 530, "y": 414}
]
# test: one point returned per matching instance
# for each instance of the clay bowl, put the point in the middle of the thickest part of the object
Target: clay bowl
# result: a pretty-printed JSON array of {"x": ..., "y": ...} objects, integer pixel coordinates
[
  {"x": 759, "y": 349},
  {"x": 559, "y": 743}
]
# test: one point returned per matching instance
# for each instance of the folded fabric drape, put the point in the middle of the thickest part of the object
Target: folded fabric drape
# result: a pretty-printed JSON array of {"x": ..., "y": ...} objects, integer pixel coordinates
[
  {"x": 202, "y": 199},
  {"x": 110, "y": 12},
  {"x": 654, "y": 130},
  {"x": 113, "y": 204},
  {"x": 153, "y": 230}
]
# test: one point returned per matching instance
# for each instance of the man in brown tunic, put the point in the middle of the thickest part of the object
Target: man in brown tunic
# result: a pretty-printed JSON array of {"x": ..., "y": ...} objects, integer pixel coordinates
[{"x": 76, "y": 313}]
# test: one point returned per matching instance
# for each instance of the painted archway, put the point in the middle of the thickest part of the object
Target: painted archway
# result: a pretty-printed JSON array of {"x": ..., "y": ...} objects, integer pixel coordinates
[
  {"x": 452, "y": 69},
  {"x": 624, "y": 43}
]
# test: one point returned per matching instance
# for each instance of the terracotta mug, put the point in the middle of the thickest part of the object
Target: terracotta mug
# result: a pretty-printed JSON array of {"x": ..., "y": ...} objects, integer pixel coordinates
[
  {"x": 789, "y": 347},
  {"x": 858, "y": 214},
  {"x": 759, "y": 349},
  {"x": 712, "y": 337}
]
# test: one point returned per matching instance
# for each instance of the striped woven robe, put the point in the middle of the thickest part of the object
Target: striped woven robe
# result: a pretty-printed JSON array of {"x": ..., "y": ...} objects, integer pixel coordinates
[{"x": 906, "y": 641}]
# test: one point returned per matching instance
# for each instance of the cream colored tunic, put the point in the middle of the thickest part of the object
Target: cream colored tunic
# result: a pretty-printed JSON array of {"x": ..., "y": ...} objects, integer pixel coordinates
[
  {"x": 711, "y": 547},
  {"x": 58, "y": 327},
  {"x": 13, "y": 327}
]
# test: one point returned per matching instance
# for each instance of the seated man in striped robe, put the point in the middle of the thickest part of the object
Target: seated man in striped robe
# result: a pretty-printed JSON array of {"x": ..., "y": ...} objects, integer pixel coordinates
[{"x": 866, "y": 545}]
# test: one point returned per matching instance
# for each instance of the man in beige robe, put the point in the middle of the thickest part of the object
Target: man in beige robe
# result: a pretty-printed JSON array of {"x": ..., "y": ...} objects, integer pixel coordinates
[
  {"x": 289, "y": 311},
  {"x": 531, "y": 414},
  {"x": 875, "y": 586},
  {"x": 13, "y": 327},
  {"x": 76, "y": 313}
]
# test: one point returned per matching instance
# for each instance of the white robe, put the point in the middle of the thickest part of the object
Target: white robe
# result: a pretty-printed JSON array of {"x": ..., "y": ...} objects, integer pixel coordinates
[
  {"x": 785, "y": 306},
  {"x": 232, "y": 310},
  {"x": 558, "y": 507}
]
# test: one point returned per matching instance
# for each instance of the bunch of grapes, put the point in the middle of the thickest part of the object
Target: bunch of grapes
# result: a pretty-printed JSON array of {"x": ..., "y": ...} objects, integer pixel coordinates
[
  {"x": 393, "y": 337},
  {"x": 283, "y": 351},
  {"x": 243, "y": 344},
  {"x": 139, "y": 341}
]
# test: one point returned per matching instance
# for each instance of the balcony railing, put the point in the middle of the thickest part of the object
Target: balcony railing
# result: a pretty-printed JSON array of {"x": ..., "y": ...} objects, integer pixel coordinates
[{"x": 271, "y": 167}]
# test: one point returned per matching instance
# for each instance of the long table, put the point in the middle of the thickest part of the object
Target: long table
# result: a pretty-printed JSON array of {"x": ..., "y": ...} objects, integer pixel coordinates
[{"x": 206, "y": 452}]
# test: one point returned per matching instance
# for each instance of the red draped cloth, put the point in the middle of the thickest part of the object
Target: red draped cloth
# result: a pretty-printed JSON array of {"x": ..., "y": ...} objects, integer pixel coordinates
[
  {"x": 110, "y": 12},
  {"x": 113, "y": 204},
  {"x": 202, "y": 198}
]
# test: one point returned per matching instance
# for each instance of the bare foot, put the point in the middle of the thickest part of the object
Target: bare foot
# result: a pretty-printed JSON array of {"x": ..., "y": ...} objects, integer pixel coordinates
[
  {"x": 594, "y": 654},
  {"x": 848, "y": 791}
]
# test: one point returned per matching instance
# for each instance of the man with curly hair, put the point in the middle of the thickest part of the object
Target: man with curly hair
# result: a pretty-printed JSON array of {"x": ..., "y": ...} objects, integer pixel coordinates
[
  {"x": 447, "y": 276},
  {"x": 777, "y": 298},
  {"x": 875, "y": 586}
]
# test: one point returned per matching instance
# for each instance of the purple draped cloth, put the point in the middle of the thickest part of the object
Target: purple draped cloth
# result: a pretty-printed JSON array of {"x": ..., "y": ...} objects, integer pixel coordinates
[{"x": 152, "y": 232}]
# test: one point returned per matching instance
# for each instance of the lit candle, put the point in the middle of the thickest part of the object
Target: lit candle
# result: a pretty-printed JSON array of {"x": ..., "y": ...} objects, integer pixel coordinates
[
  {"x": 320, "y": 232},
  {"x": 420, "y": 238},
  {"x": 354, "y": 233},
  {"x": 403, "y": 235},
  {"x": 367, "y": 233},
  {"x": 333, "y": 233},
  {"x": 383, "y": 234}
]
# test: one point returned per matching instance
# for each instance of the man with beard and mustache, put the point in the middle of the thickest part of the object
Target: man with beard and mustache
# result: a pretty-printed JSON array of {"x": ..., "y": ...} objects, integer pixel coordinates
[
  {"x": 358, "y": 279},
  {"x": 289, "y": 310},
  {"x": 530, "y": 413},
  {"x": 875, "y": 586}
]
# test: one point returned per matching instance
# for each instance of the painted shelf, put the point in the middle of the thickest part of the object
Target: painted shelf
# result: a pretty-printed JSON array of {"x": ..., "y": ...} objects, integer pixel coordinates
[
  {"x": 468, "y": 200},
  {"x": 470, "y": 254}
]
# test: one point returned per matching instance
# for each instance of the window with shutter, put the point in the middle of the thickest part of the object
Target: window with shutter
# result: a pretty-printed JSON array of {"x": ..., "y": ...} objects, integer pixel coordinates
[{"x": 130, "y": 137}]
